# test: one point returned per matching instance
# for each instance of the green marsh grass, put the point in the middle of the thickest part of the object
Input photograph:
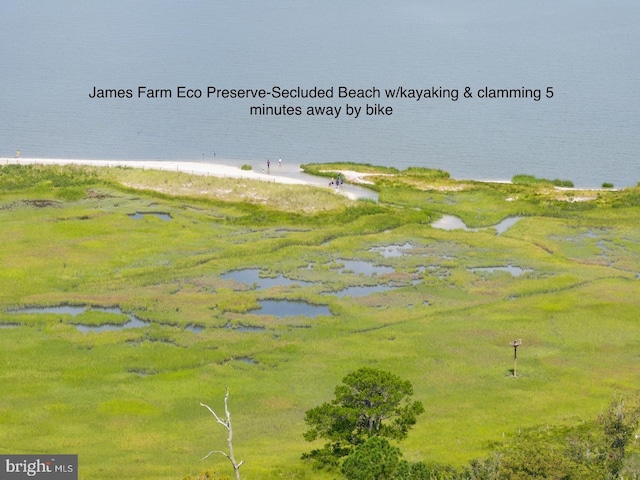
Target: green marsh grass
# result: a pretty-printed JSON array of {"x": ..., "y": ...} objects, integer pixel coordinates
[{"x": 127, "y": 401}]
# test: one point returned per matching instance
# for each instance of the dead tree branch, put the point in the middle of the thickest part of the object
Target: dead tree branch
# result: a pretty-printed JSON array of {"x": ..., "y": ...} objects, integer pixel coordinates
[{"x": 226, "y": 423}]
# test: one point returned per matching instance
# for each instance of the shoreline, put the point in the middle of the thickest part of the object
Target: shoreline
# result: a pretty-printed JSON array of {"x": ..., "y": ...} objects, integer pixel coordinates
[
  {"x": 203, "y": 168},
  {"x": 195, "y": 168},
  {"x": 356, "y": 190}
]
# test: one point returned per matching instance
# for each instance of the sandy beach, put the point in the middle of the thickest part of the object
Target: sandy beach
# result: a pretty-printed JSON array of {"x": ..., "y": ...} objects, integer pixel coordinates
[
  {"x": 210, "y": 169},
  {"x": 195, "y": 168}
]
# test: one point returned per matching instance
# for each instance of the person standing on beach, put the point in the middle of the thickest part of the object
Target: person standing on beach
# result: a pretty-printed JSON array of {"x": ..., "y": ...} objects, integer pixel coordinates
[
  {"x": 268, "y": 164},
  {"x": 279, "y": 162},
  {"x": 17, "y": 153}
]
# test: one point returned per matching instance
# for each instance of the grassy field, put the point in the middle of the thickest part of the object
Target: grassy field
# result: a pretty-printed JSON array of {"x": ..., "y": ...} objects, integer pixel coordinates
[{"x": 127, "y": 401}]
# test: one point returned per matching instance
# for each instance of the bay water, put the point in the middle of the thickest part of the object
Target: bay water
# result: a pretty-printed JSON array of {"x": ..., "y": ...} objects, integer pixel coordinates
[{"x": 559, "y": 81}]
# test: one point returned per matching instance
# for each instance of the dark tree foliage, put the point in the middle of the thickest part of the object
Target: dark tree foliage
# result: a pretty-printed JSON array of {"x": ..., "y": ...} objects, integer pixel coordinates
[
  {"x": 619, "y": 425},
  {"x": 369, "y": 403},
  {"x": 375, "y": 459},
  {"x": 594, "y": 451},
  {"x": 422, "y": 471},
  {"x": 541, "y": 461}
]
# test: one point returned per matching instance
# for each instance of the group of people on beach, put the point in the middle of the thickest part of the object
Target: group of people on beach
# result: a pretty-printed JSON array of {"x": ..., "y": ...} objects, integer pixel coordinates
[
  {"x": 269, "y": 163},
  {"x": 338, "y": 182}
]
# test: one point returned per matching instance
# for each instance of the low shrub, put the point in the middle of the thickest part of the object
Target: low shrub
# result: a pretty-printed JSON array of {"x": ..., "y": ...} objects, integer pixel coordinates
[{"x": 525, "y": 179}]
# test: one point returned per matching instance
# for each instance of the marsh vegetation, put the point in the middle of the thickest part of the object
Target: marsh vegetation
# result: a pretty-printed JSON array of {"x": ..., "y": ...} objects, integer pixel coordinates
[{"x": 439, "y": 309}]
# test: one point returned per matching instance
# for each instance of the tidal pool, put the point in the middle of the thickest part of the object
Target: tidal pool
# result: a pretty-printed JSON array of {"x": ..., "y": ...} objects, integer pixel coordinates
[
  {"x": 194, "y": 328},
  {"x": 140, "y": 215},
  {"x": 363, "y": 291},
  {"x": 514, "y": 271},
  {"x": 290, "y": 308},
  {"x": 365, "y": 268},
  {"x": 505, "y": 224},
  {"x": 72, "y": 310},
  {"x": 391, "y": 251},
  {"x": 249, "y": 360},
  {"x": 451, "y": 222},
  {"x": 75, "y": 310},
  {"x": 251, "y": 276}
]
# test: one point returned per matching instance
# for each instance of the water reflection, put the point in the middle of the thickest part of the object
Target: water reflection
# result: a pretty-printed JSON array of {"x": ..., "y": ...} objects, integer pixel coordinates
[{"x": 248, "y": 360}]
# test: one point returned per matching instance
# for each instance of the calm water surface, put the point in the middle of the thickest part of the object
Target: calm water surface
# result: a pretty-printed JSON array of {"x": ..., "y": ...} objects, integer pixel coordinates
[{"x": 55, "y": 53}]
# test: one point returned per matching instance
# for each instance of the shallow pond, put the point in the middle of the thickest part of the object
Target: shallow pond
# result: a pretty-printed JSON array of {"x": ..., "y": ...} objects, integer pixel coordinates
[
  {"x": 505, "y": 224},
  {"x": 514, "y": 271},
  {"x": 290, "y": 308},
  {"x": 363, "y": 291},
  {"x": 194, "y": 328},
  {"x": 248, "y": 360},
  {"x": 451, "y": 222},
  {"x": 251, "y": 276},
  {"x": 365, "y": 268},
  {"x": 61, "y": 309},
  {"x": 390, "y": 251},
  {"x": 140, "y": 215},
  {"x": 75, "y": 310}
]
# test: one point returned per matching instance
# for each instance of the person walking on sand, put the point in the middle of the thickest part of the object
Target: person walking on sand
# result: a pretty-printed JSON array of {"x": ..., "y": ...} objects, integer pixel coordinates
[{"x": 279, "y": 162}]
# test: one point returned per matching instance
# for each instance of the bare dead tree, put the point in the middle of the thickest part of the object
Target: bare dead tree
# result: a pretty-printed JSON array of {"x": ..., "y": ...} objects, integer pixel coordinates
[{"x": 226, "y": 423}]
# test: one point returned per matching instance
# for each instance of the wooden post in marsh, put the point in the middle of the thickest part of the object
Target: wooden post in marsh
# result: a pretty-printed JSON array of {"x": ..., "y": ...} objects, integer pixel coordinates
[{"x": 515, "y": 344}]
